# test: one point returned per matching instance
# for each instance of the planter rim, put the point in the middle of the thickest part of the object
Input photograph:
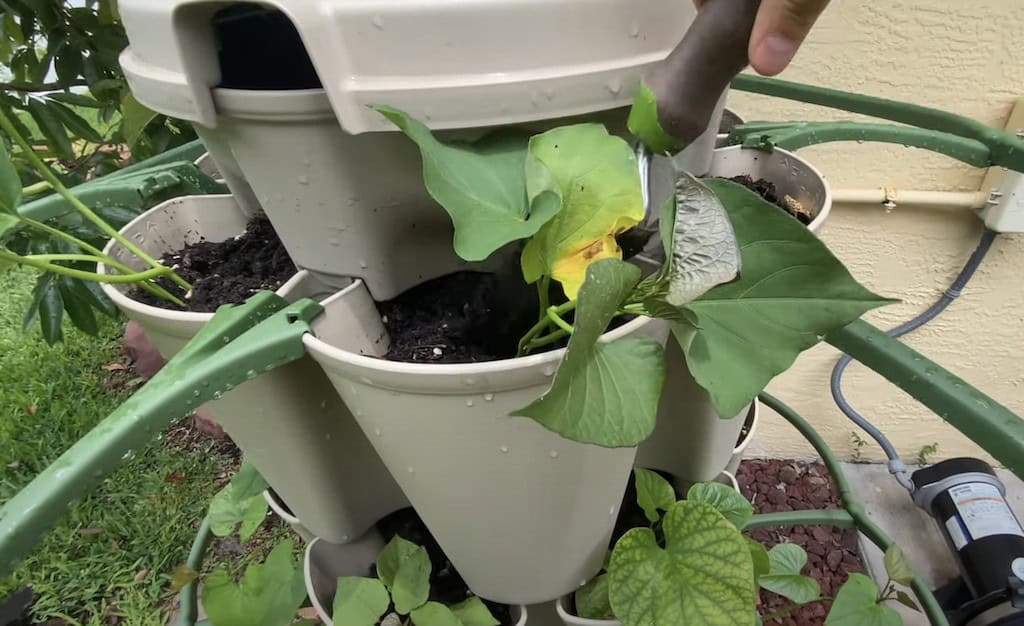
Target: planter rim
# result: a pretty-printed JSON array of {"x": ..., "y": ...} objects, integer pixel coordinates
[
  {"x": 755, "y": 408},
  {"x": 450, "y": 369},
  {"x": 124, "y": 302},
  {"x": 273, "y": 104},
  {"x": 277, "y": 507},
  {"x": 826, "y": 204},
  {"x": 566, "y": 616}
]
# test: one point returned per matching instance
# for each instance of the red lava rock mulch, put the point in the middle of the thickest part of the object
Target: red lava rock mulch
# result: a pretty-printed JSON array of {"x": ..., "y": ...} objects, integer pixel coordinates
[{"x": 777, "y": 485}]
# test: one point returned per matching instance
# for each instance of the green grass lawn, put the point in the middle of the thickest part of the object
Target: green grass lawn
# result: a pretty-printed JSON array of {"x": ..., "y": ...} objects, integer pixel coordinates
[{"x": 110, "y": 560}]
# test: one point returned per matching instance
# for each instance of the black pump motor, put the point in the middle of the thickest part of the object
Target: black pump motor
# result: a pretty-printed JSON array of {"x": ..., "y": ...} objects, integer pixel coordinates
[{"x": 968, "y": 501}]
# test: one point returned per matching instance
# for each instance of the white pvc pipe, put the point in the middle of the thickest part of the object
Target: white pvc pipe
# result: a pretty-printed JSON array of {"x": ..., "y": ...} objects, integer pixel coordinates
[{"x": 893, "y": 198}]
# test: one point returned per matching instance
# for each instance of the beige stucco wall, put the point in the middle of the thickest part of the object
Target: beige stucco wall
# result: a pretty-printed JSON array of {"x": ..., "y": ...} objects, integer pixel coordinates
[{"x": 961, "y": 56}]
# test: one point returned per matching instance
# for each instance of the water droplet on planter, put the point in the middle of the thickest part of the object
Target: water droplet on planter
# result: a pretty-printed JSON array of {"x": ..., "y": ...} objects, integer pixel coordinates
[
  {"x": 359, "y": 413},
  {"x": 634, "y": 30},
  {"x": 334, "y": 241},
  {"x": 614, "y": 87},
  {"x": 344, "y": 538},
  {"x": 549, "y": 94},
  {"x": 489, "y": 397},
  {"x": 228, "y": 387},
  {"x": 362, "y": 263},
  {"x": 469, "y": 403},
  {"x": 377, "y": 432},
  {"x": 378, "y": 22},
  {"x": 327, "y": 436},
  {"x": 217, "y": 395},
  {"x": 469, "y": 382},
  {"x": 323, "y": 404},
  {"x": 611, "y": 511},
  {"x": 554, "y": 454},
  {"x": 410, "y": 469},
  {"x": 196, "y": 393},
  {"x": 366, "y": 381},
  {"x": 127, "y": 455},
  {"x": 504, "y": 449},
  {"x": 303, "y": 180},
  {"x": 549, "y": 370},
  {"x": 250, "y": 374}
]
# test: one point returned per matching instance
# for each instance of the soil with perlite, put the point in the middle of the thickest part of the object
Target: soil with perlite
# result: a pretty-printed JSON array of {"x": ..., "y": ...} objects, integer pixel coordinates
[
  {"x": 225, "y": 272},
  {"x": 446, "y": 585},
  {"x": 777, "y": 485}
]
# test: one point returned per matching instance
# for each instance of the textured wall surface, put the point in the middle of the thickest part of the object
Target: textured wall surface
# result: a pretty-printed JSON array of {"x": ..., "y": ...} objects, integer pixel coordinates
[{"x": 965, "y": 57}]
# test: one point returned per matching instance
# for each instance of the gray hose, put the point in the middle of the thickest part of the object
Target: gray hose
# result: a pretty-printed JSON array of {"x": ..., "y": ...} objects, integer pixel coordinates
[{"x": 896, "y": 465}]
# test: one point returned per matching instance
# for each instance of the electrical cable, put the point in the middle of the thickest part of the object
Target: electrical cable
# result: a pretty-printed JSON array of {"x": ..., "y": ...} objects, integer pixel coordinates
[{"x": 896, "y": 465}]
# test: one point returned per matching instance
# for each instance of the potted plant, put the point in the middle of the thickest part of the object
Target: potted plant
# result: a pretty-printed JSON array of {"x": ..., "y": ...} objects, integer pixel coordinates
[
  {"x": 689, "y": 563},
  {"x": 567, "y": 192},
  {"x": 339, "y": 488}
]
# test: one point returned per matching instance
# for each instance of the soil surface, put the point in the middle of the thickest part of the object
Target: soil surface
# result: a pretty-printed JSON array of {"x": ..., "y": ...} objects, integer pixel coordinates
[
  {"x": 226, "y": 272},
  {"x": 465, "y": 317},
  {"x": 770, "y": 193},
  {"x": 776, "y": 485},
  {"x": 446, "y": 585}
]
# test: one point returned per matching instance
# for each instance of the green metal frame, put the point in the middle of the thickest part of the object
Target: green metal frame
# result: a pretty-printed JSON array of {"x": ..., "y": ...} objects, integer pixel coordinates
[{"x": 243, "y": 341}]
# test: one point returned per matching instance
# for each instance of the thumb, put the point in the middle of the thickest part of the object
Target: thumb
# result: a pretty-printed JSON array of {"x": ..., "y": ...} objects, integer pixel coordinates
[{"x": 780, "y": 28}]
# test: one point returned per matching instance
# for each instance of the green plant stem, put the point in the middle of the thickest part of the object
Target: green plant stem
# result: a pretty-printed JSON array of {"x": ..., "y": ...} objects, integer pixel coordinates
[
  {"x": 558, "y": 321},
  {"x": 36, "y": 189},
  {"x": 544, "y": 295},
  {"x": 837, "y": 518},
  {"x": 152, "y": 288},
  {"x": 854, "y": 508},
  {"x": 46, "y": 266},
  {"x": 58, "y": 186},
  {"x": 767, "y": 619},
  {"x": 188, "y": 610},
  {"x": 542, "y": 325},
  {"x": 548, "y": 339}
]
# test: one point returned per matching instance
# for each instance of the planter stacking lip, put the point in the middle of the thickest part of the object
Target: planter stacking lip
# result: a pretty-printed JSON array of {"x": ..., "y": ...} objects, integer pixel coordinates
[
  {"x": 290, "y": 423},
  {"x": 691, "y": 440},
  {"x": 524, "y": 514},
  {"x": 325, "y": 562}
]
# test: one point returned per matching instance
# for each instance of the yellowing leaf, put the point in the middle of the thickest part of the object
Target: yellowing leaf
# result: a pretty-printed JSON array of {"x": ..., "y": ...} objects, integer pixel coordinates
[{"x": 596, "y": 176}]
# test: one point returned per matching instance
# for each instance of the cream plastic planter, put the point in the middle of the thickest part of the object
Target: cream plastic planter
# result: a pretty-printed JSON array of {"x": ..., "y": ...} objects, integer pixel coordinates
[
  {"x": 524, "y": 514},
  {"x": 290, "y": 423},
  {"x": 280, "y": 509},
  {"x": 344, "y": 205},
  {"x": 740, "y": 450},
  {"x": 792, "y": 175},
  {"x": 733, "y": 119},
  {"x": 691, "y": 440},
  {"x": 324, "y": 563}
]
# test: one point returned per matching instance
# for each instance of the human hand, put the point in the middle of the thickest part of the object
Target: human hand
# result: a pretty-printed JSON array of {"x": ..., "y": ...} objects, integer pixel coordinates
[{"x": 779, "y": 29}]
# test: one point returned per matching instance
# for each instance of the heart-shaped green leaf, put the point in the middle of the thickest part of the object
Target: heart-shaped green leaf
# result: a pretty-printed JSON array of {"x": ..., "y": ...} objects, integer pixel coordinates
[
  {"x": 359, "y": 601},
  {"x": 792, "y": 292},
  {"x": 592, "y": 600},
  {"x": 644, "y": 124},
  {"x": 481, "y": 185},
  {"x": 786, "y": 562},
  {"x": 411, "y": 585},
  {"x": 268, "y": 595},
  {"x": 726, "y": 500},
  {"x": 434, "y": 614},
  {"x": 603, "y": 393},
  {"x": 897, "y": 566},
  {"x": 759, "y": 555},
  {"x": 247, "y": 482},
  {"x": 653, "y": 493},
  {"x": 703, "y": 575},
  {"x": 228, "y": 511},
  {"x": 595, "y": 175},
  {"x": 856, "y": 604},
  {"x": 473, "y": 612},
  {"x": 390, "y": 559}
]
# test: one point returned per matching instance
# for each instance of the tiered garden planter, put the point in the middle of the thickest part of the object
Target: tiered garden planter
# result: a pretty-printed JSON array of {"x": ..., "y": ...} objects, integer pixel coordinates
[{"x": 289, "y": 423}]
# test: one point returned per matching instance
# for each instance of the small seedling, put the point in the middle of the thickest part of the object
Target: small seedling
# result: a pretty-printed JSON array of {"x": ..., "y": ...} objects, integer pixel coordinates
[
  {"x": 925, "y": 454},
  {"x": 859, "y": 443}
]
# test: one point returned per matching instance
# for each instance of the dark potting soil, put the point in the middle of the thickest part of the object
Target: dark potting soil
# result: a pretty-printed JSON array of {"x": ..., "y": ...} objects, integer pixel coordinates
[
  {"x": 446, "y": 585},
  {"x": 465, "y": 317},
  {"x": 777, "y": 485},
  {"x": 226, "y": 272},
  {"x": 768, "y": 191}
]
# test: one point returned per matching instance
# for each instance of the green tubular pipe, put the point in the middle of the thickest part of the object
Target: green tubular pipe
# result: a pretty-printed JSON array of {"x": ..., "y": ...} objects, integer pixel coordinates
[
  {"x": 238, "y": 344},
  {"x": 188, "y": 607},
  {"x": 970, "y": 151},
  {"x": 1006, "y": 150},
  {"x": 837, "y": 518},
  {"x": 855, "y": 509},
  {"x": 983, "y": 420}
]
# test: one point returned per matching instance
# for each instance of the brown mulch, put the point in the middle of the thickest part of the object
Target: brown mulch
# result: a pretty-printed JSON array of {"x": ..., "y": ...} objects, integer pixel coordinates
[{"x": 777, "y": 485}]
